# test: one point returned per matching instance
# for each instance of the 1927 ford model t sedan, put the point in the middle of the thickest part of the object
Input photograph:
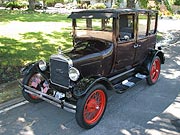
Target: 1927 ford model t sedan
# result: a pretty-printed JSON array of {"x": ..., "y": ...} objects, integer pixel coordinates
[{"x": 113, "y": 49}]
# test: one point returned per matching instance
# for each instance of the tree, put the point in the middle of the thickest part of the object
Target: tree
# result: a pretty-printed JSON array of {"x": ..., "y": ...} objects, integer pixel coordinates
[
  {"x": 177, "y": 2},
  {"x": 31, "y": 4},
  {"x": 131, "y": 3}
]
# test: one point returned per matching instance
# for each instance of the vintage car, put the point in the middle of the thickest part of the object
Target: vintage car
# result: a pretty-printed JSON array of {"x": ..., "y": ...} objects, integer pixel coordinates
[{"x": 113, "y": 49}]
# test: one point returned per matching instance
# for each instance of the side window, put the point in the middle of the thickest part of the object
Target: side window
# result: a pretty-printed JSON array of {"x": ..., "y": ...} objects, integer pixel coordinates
[
  {"x": 126, "y": 27},
  {"x": 142, "y": 25},
  {"x": 152, "y": 24}
]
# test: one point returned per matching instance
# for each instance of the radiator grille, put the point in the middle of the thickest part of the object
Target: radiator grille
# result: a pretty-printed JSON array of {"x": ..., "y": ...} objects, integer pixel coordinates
[{"x": 59, "y": 72}]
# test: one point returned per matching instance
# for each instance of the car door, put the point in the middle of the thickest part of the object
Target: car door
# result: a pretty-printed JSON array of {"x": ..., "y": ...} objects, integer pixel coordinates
[
  {"x": 146, "y": 38},
  {"x": 125, "y": 51}
]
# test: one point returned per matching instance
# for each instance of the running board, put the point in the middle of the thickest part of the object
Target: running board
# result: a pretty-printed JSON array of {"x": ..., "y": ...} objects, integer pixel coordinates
[
  {"x": 129, "y": 83},
  {"x": 50, "y": 99}
]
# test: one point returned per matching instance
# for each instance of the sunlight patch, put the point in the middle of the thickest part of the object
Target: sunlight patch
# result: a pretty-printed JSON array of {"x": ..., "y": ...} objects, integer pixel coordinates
[
  {"x": 125, "y": 132},
  {"x": 2, "y": 44},
  {"x": 20, "y": 119},
  {"x": 27, "y": 131},
  {"x": 171, "y": 74}
]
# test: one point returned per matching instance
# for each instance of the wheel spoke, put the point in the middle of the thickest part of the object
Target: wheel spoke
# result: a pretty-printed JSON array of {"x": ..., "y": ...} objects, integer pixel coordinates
[{"x": 94, "y": 106}]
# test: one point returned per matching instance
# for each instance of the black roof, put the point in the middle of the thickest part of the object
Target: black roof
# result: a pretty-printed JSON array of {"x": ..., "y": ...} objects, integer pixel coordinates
[{"x": 106, "y": 13}]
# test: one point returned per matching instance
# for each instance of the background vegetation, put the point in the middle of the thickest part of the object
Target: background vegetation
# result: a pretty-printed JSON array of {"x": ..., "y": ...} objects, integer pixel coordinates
[{"x": 27, "y": 47}]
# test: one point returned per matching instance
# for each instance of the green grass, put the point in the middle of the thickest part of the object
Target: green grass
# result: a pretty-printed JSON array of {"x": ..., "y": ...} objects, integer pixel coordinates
[
  {"x": 10, "y": 91},
  {"x": 27, "y": 16},
  {"x": 19, "y": 46},
  {"x": 16, "y": 51}
]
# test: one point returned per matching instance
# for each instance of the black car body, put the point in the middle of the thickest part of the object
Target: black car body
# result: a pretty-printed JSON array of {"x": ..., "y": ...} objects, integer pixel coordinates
[{"x": 113, "y": 49}]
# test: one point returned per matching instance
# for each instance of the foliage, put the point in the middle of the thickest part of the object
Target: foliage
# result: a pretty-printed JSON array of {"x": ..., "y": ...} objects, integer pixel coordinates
[
  {"x": 16, "y": 51},
  {"x": 177, "y": 2},
  {"x": 131, "y": 4},
  {"x": 165, "y": 13},
  {"x": 168, "y": 5},
  {"x": 15, "y": 4},
  {"x": 53, "y": 2},
  {"x": 97, "y": 6},
  {"x": 144, "y": 3},
  {"x": 115, "y": 6}
]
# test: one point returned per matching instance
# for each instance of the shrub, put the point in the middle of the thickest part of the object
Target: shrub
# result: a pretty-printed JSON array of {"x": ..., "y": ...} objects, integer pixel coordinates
[
  {"x": 97, "y": 6},
  {"x": 115, "y": 6},
  {"x": 177, "y": 2},
  {"x": 15, "y": 4}
]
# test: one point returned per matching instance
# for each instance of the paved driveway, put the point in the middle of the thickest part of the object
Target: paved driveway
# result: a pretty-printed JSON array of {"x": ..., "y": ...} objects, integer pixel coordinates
[{"x": 141, "y": 110}]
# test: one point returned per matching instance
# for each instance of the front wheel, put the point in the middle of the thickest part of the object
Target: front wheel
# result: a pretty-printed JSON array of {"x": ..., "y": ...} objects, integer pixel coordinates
[
  {"x": 154, "y": 71},
  {"x": 33, "y": 80},
  {"x": 91, "y": 107}
]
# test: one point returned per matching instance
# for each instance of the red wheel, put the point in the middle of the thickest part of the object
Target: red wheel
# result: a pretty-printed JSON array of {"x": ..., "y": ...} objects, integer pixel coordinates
[
  {"x": 34, "y": 81},
  {"x": 154, "y": 71},
  {"x": 94, "y": 106},
  {"x": 90, "y": 108}
]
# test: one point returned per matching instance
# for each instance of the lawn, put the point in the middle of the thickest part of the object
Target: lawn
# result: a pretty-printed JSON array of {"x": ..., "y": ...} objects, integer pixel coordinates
[
  {"x": 25, "y": 16},
  {"x": 27, "y": 37}
]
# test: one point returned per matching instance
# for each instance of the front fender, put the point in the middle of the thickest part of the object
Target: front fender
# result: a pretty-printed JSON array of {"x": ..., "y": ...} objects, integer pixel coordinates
[
  {"x": 84, "y": 85},
  {"x": 29, "y": 68}
]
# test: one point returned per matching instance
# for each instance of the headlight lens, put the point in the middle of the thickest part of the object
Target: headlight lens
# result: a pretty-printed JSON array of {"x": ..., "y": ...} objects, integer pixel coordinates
[
  {"x": 42, "y": 65},
  {"x": 73, "y": 74}
]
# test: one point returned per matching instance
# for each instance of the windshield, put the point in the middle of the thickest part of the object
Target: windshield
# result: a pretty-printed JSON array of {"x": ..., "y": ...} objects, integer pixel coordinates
[{"x": 94, "y": 28}]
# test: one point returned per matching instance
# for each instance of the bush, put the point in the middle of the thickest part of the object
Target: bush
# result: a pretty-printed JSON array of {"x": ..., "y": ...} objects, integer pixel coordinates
[
  {"x": 15, "y": 4},
  {"x": 177, "y": 2},
  {"x": 97, "y": 6},
  {"x": 115, "y": 6}
]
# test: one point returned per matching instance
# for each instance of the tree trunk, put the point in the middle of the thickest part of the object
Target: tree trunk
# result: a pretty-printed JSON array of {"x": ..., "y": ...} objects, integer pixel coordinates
[
  {"x": 131, "y": 3},
  {"x": 112, "y": 2},
  {"x": 31, "y": 4}
]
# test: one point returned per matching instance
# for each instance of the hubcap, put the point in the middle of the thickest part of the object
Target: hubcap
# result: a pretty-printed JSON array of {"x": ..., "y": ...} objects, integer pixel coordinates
[{"x": 94, "y": 106}]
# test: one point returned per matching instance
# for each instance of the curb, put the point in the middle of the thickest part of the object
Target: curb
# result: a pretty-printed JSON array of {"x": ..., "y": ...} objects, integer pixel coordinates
[{"x": 11, "y": 103}]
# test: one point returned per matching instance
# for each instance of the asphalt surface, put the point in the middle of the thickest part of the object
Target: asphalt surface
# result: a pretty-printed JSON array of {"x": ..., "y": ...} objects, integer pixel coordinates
[{"x": 141, "y": 110}]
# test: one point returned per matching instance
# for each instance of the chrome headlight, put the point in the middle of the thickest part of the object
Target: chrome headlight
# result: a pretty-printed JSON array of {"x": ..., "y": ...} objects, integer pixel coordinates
[
  {"x": 73, "y": 74},
  {"x": 42, "y": 65}
]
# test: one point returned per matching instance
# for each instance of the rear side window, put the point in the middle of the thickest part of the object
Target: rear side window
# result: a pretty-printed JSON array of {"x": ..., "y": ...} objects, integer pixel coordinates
[
  {"x": 126, "y": 26},
  {"x": 152, "y": 24},
  {"x": 142, "y": 25}
]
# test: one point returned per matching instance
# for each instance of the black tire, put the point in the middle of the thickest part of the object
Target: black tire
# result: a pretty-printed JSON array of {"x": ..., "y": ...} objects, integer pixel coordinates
[
  {"x": 154, "y": 71},
  {"x": 29, "y": 97},
  {"x": 91, "y": 107}
]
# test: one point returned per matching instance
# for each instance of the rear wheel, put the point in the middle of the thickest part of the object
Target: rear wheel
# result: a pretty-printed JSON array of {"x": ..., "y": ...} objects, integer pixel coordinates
[
  {"x": 154, "y": 71},
  {"x": 33, "y": 80},
  {"x": 91, "y": 107}
]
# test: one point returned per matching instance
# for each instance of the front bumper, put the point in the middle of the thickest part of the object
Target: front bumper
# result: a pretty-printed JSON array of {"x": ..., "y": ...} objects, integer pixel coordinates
[{"x": 57, "y": 102}]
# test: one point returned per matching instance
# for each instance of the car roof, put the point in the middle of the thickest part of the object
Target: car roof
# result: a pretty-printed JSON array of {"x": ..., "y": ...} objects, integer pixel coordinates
[{"x": 106, "y": 13}]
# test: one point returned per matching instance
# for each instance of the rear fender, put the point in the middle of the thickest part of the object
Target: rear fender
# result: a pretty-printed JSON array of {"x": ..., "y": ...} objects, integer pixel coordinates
[{"x": 152, "y": 54}]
